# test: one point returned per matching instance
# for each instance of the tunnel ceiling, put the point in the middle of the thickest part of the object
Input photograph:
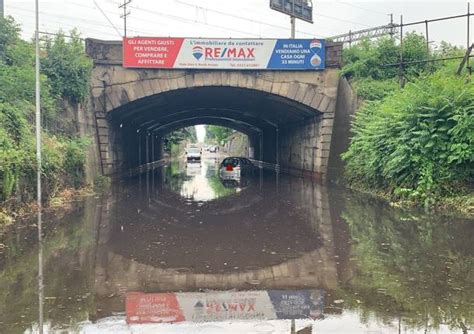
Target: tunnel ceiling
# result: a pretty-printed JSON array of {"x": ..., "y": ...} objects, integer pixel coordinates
[{"x": 245, "y": 110}]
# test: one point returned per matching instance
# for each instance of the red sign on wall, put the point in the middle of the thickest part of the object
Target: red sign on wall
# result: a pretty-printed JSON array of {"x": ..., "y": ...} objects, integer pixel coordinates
[
  {"x": 153, "y": 52},
  {"x": 152, "y": 308}
]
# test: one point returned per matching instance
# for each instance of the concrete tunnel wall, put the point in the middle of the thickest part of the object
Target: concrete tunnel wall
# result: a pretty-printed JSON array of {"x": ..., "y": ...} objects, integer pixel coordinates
[
  {"x": 135, "y": 149},
  {"x": 288, "y": 115}
]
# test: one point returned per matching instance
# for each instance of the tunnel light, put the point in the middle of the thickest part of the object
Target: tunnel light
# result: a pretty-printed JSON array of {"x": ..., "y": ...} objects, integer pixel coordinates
[
  {"x": 138, "y": 130},
  {"x": 121, "y": 125}
]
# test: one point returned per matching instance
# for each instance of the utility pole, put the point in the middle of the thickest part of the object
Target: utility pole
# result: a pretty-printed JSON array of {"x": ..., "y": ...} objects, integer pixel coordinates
[
  {"x": 468, "y": 34},
  {"x": 2, "y": 9},
  {"x": 392, "y": 31},
  {"x": 293, "y": 27},
  {"x": 400, "y": 69},
  {"x": 303, "y": 11},
  {"x": 293, "y": 21},
  {"x": 38, "y": 168},
  {"x": 124, "y": 15}
]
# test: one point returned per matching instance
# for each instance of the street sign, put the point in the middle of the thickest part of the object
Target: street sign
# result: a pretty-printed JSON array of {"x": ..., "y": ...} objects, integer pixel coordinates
[
  {"x": 227, "y": 54},
  {"x": 301, "y": 9}
]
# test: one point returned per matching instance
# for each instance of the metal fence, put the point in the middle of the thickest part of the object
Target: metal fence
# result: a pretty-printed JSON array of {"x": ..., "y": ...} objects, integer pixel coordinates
[{"x": 394, "y": 29}]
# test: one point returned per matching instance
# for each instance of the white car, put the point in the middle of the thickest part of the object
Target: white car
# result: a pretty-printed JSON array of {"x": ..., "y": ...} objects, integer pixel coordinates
[{"x": 193, "y": 152}]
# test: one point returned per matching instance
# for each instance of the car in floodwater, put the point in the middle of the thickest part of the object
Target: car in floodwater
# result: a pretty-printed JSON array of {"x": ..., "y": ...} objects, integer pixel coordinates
[
  {"x": 237, "y": 183},
  {"x": 234, "y": 168},
  {"x": 193, "y": 152},
  {"x": 193, "y": 168},
  {"x": 213, "y": 149}
]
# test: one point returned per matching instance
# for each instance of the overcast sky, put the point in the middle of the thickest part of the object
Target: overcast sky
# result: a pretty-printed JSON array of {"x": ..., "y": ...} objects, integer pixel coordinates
[{"x": 238, "y": 18}]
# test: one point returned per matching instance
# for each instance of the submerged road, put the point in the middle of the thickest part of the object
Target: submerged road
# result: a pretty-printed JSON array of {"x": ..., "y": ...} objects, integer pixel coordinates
[{"x": 177, "y": 250}]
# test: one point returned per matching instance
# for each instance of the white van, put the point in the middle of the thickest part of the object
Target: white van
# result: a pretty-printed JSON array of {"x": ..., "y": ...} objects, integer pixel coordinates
[{"x": 193, "y": 152}]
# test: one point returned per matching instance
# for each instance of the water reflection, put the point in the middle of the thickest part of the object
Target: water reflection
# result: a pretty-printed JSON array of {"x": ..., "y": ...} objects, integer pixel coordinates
[
  {"x": 381, "y": 269},
  {"x": 416, "y": 267},
  {"x": 197, "y": 181},
  {"x": 223, "y": 305},
  {"x": 40, "y": 273}
]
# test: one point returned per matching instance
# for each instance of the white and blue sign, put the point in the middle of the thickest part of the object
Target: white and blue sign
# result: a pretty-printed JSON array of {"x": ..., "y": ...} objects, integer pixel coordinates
[
  {"x": 298, "y": 54},
  {"x": 297, "y": 304}
]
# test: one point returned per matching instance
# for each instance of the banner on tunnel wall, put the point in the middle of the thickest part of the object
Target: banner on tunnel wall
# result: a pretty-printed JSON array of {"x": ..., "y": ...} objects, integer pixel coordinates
[
  {"x": 223, "y": 305},
  {"x": 226, "y": 54}
]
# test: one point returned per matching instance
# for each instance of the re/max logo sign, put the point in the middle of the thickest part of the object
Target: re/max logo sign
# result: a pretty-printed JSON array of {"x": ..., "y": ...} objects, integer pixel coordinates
[{"x": 215, "y": 53}]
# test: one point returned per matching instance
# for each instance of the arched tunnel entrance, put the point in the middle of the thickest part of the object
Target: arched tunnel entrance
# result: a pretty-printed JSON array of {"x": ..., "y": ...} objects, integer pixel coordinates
[
  {"x": 287, "y": 115},
  {"x": 139, "y": 126}
]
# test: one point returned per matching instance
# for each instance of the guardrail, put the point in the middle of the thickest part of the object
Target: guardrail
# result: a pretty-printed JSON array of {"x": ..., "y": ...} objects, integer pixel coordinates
[
  {"x": 159, "y": 163},
  {"x": 266, "y": 165},
  {"x": 141, "y": 169}
]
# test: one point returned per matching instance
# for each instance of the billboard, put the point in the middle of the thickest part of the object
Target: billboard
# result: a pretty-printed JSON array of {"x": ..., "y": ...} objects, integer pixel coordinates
[
  {"x": 301, "y": 9},
  {"x": 223, "y": 305},
  {"x": 226, "y": 54}
]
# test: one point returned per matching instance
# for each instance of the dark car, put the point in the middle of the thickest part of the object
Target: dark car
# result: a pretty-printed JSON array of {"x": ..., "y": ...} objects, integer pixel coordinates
[{"x": 233, "y": 168}]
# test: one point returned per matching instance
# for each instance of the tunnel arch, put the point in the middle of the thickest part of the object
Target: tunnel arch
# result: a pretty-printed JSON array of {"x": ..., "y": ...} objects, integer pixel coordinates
[
  {"x": 149, "y": 83},
  {"x": 242, "y": 127},
  {"x": 243, "y": 104},
  {"x": 293, "y": 109},
  {"x": 257, "y": 114}
]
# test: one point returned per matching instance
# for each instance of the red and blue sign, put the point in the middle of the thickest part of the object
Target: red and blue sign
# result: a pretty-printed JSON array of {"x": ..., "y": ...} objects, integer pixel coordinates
[
  {"x": 223, "y": 305},
  {"x": 230, "y": 54}
]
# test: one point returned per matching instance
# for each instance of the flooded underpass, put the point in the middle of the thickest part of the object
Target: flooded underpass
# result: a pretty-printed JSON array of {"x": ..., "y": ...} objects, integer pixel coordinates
[{"x": 178, "y": 250}]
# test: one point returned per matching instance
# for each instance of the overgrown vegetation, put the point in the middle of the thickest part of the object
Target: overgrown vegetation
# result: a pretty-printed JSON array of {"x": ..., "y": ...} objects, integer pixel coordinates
[
  {"x": 217, "y": 134},
  {"x": 416, "y": 143},
  {"x": 65, "y": 73},
  {"x": 173, "y": 140}
]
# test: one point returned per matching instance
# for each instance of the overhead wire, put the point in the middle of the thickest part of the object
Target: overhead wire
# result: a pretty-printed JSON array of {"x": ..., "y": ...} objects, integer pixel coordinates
[
  {"x": 61, "y": 24},
  {"x": 266, "y": 23},
  {"x": 170, "y": 16},
  {"x": 342, "y": 20},
  {"x": 182, "y": 19},
  {"x": 105, "y": 15},
  {"x": 362, "y": 8},
  {"x": 69, "y": 18},
  {"x": 43, "y": 13},
  {"x": 189, "y": 21},
  {"x": 205, "y": 9}
]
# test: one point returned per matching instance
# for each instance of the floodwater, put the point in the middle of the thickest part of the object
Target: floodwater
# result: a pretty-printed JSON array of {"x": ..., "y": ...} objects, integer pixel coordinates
[{"x": 176, "y": 250}]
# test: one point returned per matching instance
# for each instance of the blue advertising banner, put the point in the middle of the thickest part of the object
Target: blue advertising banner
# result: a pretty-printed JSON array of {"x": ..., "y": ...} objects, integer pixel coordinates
[
  {"x": 297, "y": 54},
  {"x": 297, "y": 304}
]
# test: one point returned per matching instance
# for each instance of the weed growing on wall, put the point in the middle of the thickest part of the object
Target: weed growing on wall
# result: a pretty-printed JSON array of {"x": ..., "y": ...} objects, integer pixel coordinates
[{"x": 65, "y": 75}]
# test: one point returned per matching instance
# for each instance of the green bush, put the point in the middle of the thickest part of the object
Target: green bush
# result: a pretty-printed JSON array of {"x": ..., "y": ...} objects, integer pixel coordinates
[
  {"x": 9, "y": 36},
  {"x": 374, "y": 90},
  {"x": 369, "y": 59},
  {"x": 15, "y": 139},
  {"x": 67, "y": 66},
  {"x": 102, "y": 183},
  {"x": 217, "y": 134},
  {"x": 65, "y": 72},
  {"x": 417, "y": 143},
  {"x": 173, "y": 139},
  {"x": 75, "y": 159}
]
